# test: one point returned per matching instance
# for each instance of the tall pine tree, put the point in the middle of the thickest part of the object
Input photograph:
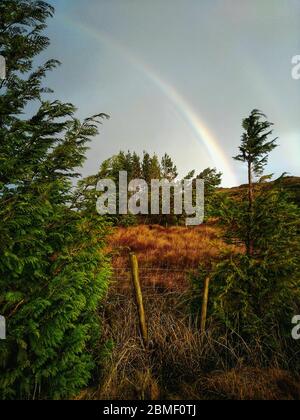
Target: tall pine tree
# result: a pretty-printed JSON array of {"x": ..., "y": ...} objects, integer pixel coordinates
[
  {"x": 254, "y": 150},
  {"x": 255, "y": 294}
]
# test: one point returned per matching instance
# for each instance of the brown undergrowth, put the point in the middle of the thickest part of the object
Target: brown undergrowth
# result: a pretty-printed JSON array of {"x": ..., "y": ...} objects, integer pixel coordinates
[{"x": 180, "y": 363}]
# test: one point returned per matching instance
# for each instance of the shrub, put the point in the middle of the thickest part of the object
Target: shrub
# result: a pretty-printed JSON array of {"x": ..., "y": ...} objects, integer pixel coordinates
[{"x": 52, "y": 269}]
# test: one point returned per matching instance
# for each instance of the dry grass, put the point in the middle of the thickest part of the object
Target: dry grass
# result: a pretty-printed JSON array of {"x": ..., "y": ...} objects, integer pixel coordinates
[
  {"x": 180, "y": 363},
  {"x": 253, "y": 384},
  {"x": 166, "y": 255},
  {"x": 173, "y": 358}
]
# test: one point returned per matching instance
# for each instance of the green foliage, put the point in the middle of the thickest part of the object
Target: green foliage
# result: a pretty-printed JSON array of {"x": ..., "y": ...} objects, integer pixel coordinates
[
  {"x": 255, "y": 145},
  {"x": 292, "y": 185},
  {"x": 149, "y": 168},
  {"x": 274, "y": 220},
  {"x": 52, "y": 270},
  {"x": 254, "y": 150},
  {"x": 212, "y": 181},
  {"x": 255, "y": 295},
  {"x": 168, "y": 169}
]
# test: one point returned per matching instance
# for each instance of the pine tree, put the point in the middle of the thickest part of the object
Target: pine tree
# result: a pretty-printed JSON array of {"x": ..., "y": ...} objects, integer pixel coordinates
[
  {"x": 136, "y": 166},
  {"x": 255, "y": 295},
  {"x": 154, "y": 169},
  {"x": 146, "y": 171},
  {"x": 254, "y": 150},
  {"x": 52, "y": 269},
  {"x": 168, "y": 168},
  {"x": 212, "y": 181}
]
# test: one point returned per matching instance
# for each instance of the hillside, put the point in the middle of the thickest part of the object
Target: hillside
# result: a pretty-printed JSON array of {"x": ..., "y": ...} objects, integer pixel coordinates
[
  {"x": 291, "y": 183},
  {"x": 166, "y": 256}
]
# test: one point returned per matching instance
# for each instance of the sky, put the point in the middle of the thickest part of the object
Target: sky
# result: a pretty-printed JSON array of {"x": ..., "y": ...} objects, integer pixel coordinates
[{"x": 179, "y": 76}]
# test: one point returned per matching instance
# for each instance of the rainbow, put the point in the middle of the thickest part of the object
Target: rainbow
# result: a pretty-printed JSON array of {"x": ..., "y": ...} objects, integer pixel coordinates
[{"x": 190, "y": 116}]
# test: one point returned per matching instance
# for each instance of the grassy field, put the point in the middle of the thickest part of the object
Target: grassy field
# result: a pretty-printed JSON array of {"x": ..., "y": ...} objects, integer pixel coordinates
[
  {"x": 167, "y": 256},
  {"x": 180, "y": 363}
]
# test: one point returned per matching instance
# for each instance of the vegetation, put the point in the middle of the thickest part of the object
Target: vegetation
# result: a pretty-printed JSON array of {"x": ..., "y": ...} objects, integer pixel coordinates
[
  {"x": 181, "y": 363},
  {"x": 255, "y": 293},
  {"x": 251, "y": 254},
  {"x": 53, "y": 273},
  {"x": 72, "y": 336},
  {"x": 254, "y": 150},
  {"x": 150, "y": 168}
]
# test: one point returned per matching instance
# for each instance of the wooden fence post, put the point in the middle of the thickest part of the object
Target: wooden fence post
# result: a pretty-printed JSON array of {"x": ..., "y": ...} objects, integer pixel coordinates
[
  {"x": 138, "y": 297},
  {"x": 204, "y": 304}
]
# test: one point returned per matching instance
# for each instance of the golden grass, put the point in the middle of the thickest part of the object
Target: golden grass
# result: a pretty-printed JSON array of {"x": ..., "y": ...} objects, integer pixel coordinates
[
  {"x": 166, "y": 255},
  {"x": 180, "y": 364},
  {"x": 253, "y": 384}
]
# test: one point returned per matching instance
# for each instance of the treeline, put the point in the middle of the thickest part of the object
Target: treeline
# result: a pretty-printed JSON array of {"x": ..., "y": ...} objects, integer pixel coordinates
[{"x": 150, "y": 167}]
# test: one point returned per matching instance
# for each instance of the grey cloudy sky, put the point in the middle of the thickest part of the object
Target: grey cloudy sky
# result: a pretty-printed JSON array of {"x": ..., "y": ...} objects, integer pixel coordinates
[{"x": 178, "y": 76}]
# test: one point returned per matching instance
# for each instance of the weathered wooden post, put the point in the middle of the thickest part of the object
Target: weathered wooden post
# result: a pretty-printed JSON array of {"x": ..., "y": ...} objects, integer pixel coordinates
[
  {"x": 204, "y": 304},
  {"x": 138, "y": 297}
]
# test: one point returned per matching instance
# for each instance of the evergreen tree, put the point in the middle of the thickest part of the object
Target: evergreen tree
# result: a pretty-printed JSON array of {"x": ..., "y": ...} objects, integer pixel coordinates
[
  {"x": 254, "y": 150},
  {"x": 154, "y": 168},
  {"x": 110, "y": 168},
  {"x": 149, "y": 168},
  {"x": 52, "y": 269},
  {"x": 146, "y": 167},
  {"x": 256, "y": 294},
  {"x": 168, "y": 169},
  {"x": 136, "y": 166},
  {"x": 212, "y": 181}
]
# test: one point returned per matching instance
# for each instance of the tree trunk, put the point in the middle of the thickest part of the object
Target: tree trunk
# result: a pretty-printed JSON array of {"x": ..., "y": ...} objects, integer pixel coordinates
[
  {"x": 250, "y": 198},
  {"x": 250, "y": 186}
]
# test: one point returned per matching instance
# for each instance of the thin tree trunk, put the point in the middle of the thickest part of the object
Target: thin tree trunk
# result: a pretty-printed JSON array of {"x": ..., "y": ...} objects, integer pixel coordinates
[
  {"x": 250, "y": 198},
  {"x": 250, "y": 189}
]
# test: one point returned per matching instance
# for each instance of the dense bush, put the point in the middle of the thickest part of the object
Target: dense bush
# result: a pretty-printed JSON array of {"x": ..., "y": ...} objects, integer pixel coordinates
[{"x": 52, "y": 270}]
